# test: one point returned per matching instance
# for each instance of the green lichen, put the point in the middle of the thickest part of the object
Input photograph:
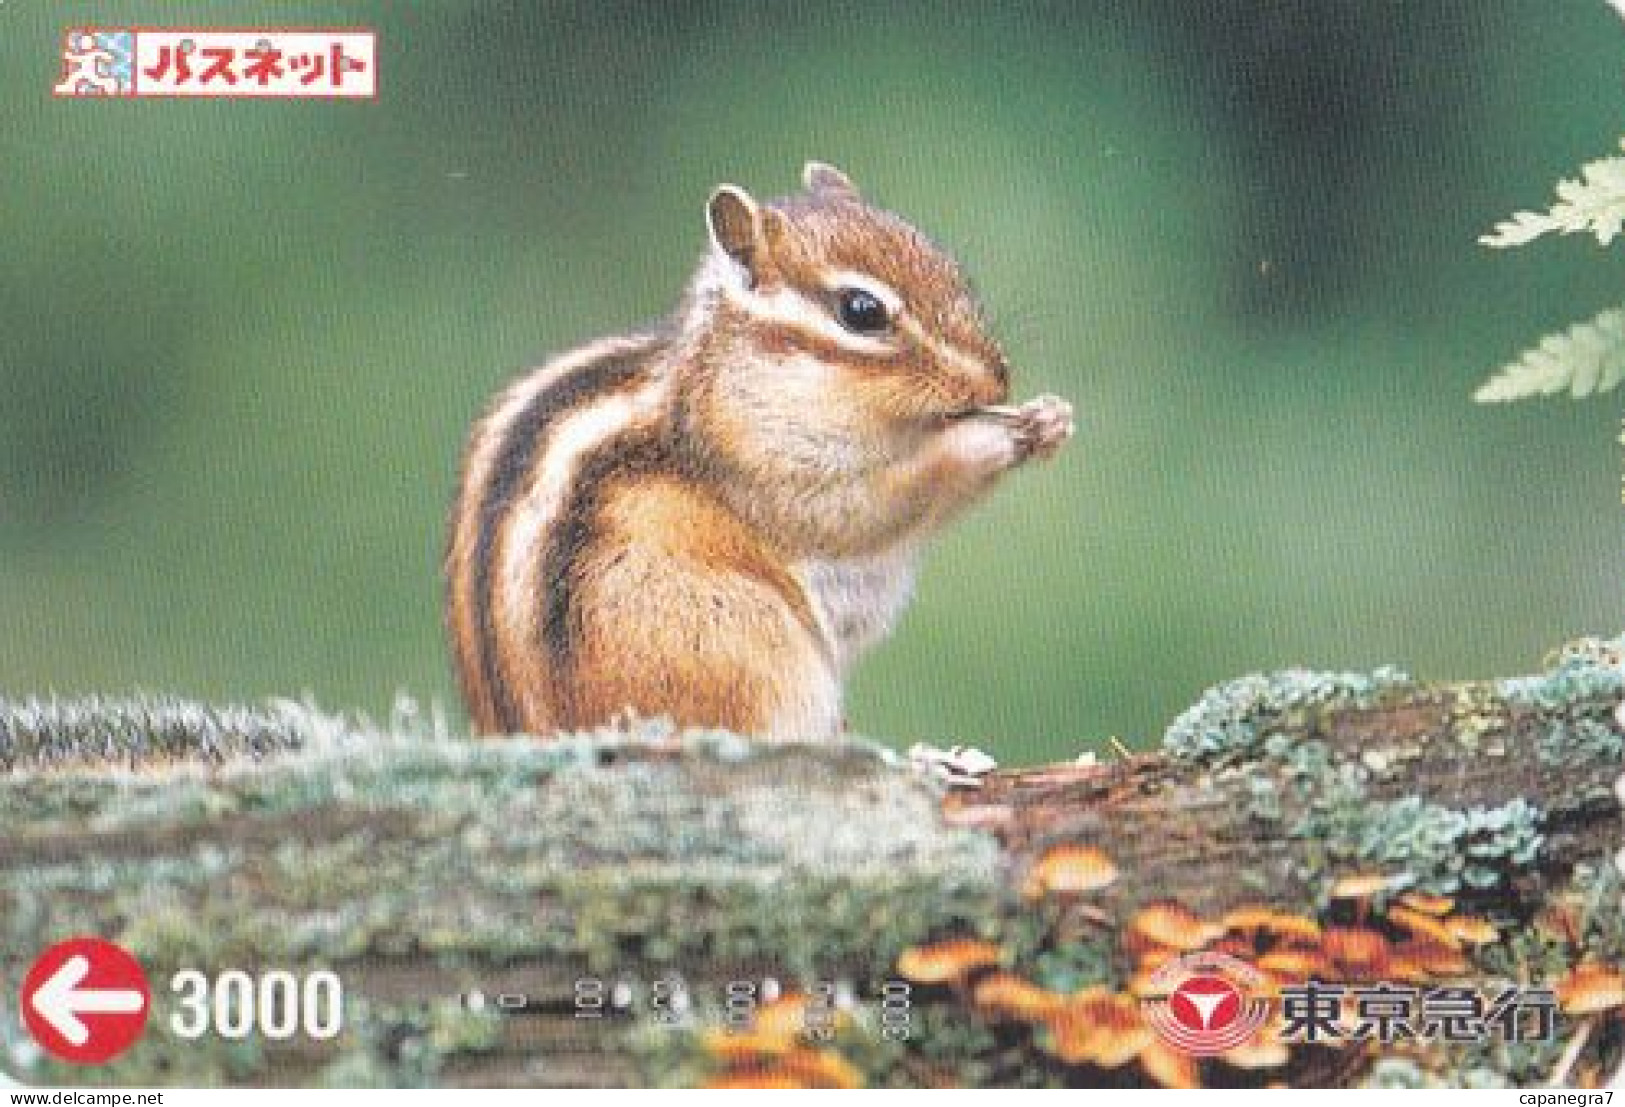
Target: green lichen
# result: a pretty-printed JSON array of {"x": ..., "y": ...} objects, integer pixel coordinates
[
  {"x": 1397, "y": 1072},
  {"x": 1591, "y": 739},
  {"x": 1588, "y": 669},
  {"x": 1496, "y": 1062},
  {"x": 948, "y": 1042},
  {"x": 1481, "y": 1077},
  {"x": 1233, "y": 718},
  {"x": 1601, "y": 888},
  {"x": 1426, "y": 845},
  {"x": 633, "y": 850},
  {"x": 1478, "y": 733},
  {"x": 53, "y": 732},
  {"x": 1307, "y": 760},
  {"x": 1526, "y": 953},
  {"x": 1432, "y": 847},
  {"x": 1576, "y": 701},
  {"x": 1073, "y": 966},
  {"x": 1264, "y": 799}
]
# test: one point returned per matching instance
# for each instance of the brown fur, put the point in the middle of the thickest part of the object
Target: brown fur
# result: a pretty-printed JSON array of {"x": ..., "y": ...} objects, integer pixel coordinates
[
  {"x": 684, "y": 611},
  {"x": 500, "y": 465},
  {"x": 671, "y": 577}
]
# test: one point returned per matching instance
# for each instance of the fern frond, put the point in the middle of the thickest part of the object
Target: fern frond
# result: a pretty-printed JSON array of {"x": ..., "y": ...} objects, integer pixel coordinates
[
  {"x": 1594, "y": 204},
  {"x": 1586, "y": 358}
]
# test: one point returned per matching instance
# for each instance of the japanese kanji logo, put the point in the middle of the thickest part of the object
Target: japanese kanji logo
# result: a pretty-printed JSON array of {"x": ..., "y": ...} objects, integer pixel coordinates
[
  {"x": 1206, "y": 1003},
  {"x": 218, "y": 62}
]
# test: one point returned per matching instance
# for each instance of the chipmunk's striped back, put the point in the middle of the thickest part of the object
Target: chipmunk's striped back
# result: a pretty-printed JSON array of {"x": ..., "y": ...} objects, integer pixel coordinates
[{"x": 519, "y": 474}]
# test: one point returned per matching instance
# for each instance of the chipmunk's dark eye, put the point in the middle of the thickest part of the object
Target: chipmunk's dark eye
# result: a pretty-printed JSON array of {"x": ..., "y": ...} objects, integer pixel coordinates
[{"x": 861, "y": 312}]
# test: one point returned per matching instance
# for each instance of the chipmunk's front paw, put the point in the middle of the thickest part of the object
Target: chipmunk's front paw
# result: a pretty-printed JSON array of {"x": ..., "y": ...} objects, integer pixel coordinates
[{"x": 1042, "y": 426}]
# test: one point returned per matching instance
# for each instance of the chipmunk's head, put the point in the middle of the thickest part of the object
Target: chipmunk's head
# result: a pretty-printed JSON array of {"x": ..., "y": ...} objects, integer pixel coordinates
[{"x": 834, "y": 297}]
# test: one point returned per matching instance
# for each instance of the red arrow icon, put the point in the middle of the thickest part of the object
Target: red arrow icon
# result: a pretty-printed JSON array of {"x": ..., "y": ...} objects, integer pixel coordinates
[{"x": 85, "y": 1000}]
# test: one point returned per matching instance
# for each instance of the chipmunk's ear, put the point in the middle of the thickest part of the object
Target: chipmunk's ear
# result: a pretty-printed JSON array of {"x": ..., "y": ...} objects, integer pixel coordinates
[
  {"x": 819, "y": 176},
  {"x": 743, "y": 230}
]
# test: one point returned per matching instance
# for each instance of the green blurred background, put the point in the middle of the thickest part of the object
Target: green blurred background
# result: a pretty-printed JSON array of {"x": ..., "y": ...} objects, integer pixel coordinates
[{"x": 241, "y": 342}]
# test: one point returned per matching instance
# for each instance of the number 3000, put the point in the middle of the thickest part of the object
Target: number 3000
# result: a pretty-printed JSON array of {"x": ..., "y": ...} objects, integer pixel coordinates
[{"x": 277, "y": 1004}]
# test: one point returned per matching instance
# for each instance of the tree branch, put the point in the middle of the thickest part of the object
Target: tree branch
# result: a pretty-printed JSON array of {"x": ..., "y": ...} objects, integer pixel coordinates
[{"x": 424, "y": 869}]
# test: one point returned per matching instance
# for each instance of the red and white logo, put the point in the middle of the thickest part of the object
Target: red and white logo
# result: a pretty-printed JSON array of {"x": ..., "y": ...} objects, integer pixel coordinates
[
  {"x": 85, "y": 1000},
  {"x": 329, "y": 63},
  {"x": 1202, "y": 1003}
]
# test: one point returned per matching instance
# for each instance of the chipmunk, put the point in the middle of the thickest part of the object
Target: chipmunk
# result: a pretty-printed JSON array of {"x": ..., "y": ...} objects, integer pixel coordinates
[{"x": 712, "y": 518}]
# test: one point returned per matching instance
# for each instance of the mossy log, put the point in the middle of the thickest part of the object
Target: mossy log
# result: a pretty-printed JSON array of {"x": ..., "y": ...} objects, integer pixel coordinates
[{"x": 598, "y": 909}]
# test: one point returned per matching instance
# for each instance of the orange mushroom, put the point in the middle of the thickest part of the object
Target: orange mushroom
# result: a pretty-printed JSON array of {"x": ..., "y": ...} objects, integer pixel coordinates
[
  {"x": 786, "y": 1018},
  {"x": 1407, "y": 969},
  {"x": 1098, "y": 1028},
  {"x": 1170, "y": 1067},
  {"x": 781, "y": 1018},
  {"x": 1591, "y": 987},
  {"x": 1424, "y": 926},
  {"x": 799, "y": 1068},
  {"x": 1360, "y": 953},
  {"x": 820, "y": 1068},
  {"x": 1124, "y": 1033},
  {"x": 1070, "y": 869},
  {"x": 947, "y": 961},
  {"x": 1268, "y": 920},
  {"x": 1427, "y": 904},
  {"x": 742, "y": 1047},
  {"x": 749, "y": 1079},
  {"x": 1434, "y": 959},
  {"x": 1247, "y": 918},
  {"x": 1472, "y": 930},
  {"x": 1073, "y": 1025},
  {"x": 1261, "y": 1051},
  {"x": 1361, "y": 886},
  {"x": 1296, "y": 966},
  {"x": 1170, "y": 925},
  {"x": 1006, "y": 995}
]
